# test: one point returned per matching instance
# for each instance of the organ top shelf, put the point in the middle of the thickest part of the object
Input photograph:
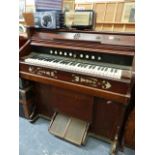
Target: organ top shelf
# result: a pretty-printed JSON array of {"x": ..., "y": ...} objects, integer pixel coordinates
[{"x": 115, "y": 43}]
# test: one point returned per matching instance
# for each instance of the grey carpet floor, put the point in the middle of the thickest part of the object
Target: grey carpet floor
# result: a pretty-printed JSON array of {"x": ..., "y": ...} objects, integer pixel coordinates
[{"x": 34, "y": 139}]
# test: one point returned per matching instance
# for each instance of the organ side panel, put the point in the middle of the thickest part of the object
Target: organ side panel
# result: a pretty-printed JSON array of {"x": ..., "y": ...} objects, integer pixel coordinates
[{"x": 108, "y": 118}]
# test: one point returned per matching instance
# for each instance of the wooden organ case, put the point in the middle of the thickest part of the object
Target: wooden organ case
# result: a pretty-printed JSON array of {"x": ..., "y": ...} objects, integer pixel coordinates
[{"x": 83, "y": 74}]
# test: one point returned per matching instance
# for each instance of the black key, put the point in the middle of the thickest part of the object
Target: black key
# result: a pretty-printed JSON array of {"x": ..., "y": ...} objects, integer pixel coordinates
[
  {"x": 34, "y": 57},
  {"x": 85, "y": 65},
  {"x": 115, "y": 70},
  {"x": 65, "y": 62},
  {"x": 52, "y": 60},
  {"x": 90, "y": 66},
  {"x": 62, "y": 62},
  {"x": 47, "y": 59},
  {"x": 39, "y": 58},
  {"x": 102, "y": 69},
  {"x": 82, "y": 65},
  {"x": 99, "y": 68},
  {"x": 93, "y": 67},
  {"x": 73, "y": 64},
  {"x": 106, "y": 68},
  {"x": 56, "y": 61},
  {"x": 42, "y": 58}
]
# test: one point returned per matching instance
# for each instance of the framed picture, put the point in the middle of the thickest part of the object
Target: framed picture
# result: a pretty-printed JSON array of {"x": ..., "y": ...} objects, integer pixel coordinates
[
  {"x": 128, "y": 13},
  {"x": 22, "y": 9}
]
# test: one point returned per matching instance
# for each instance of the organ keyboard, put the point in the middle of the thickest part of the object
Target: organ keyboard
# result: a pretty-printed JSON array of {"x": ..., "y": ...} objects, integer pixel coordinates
[
  {"x": 75, "y": 66},
  {"x": 87, "y": 75}
]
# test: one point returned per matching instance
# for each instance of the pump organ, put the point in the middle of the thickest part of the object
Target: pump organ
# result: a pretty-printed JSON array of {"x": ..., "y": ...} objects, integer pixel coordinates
[{"x": 87, "y": 75}]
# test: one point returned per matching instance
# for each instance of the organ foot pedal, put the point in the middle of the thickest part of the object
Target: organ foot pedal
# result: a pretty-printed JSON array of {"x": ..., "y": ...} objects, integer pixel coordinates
[{"x": 69, "y": 128}]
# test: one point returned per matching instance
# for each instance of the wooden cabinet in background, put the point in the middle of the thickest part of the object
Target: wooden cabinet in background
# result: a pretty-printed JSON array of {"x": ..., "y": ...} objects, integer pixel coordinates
[
  {"x": 22, "y": 41},
  {"x": 111, "y": 16}
]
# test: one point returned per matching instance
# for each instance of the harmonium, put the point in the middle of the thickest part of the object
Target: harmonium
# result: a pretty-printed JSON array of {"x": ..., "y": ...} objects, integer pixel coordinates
[{"x": 82, "y": 81}]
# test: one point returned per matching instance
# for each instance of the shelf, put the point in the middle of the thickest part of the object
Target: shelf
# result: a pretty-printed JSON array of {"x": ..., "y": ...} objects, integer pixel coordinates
[{"x": 116, "y": 23}]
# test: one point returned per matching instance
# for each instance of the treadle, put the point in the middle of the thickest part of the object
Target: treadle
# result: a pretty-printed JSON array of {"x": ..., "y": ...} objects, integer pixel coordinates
[{"x": 71, "y": 129}]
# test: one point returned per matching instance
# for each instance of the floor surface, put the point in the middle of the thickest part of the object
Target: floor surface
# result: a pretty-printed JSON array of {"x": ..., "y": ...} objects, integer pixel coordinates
[{"x": 36, "y": 140}]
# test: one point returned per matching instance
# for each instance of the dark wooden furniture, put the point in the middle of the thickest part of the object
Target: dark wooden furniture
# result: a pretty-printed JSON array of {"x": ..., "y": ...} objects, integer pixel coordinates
[
  {"x": 100, "y": 99},
  {"x": 22, "y": 40},
  {"x": 26, "y": 103}
]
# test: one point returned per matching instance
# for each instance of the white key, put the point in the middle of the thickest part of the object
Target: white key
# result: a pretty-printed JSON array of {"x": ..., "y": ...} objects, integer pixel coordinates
[
  {"x": 115, "y": 74},
  {"x": 104, "y": 73},
  {"x": 111, "y": 73},
  {"x": 95, "y": 70},
  {"x": 119, "y": 74},
  {"x": 67, "y": 67}
]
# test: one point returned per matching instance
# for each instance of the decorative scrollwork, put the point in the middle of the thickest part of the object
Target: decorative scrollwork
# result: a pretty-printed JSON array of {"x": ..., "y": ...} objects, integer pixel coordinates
[
  {"x": 93, "y": 82},
  {"x": 41, "y": 71},
  {"x": 77, "y": 36},
  {"x": 105, "y": 84}
]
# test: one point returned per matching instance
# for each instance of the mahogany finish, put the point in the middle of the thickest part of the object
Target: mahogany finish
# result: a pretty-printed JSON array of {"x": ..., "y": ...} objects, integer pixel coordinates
[
  {"x": 70, "y": 102},
  {"x": 22, "y": 41},
  {"x": 129, "y": 135},
  {"x": 111, "y": 113},
  {"x": 104, "y": 109}
]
